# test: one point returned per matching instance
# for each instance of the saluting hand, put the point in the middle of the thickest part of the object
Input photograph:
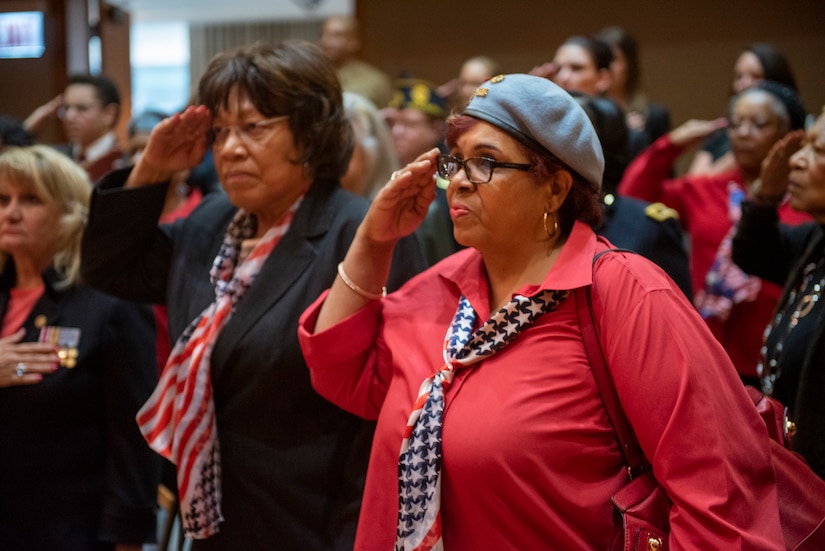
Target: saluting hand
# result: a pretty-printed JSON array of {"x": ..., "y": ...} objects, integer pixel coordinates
[
  {"x": 773, "y": 176},
  {"x": 546, "y": 70},
  {"x": 693, "y": 131},
  {"x": 402, "y": 204},
  {"x": 176, "y": 143}
]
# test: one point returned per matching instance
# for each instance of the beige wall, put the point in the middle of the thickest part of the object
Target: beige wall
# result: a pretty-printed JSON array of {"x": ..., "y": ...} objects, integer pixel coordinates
[{"x": 688, "y": 48}]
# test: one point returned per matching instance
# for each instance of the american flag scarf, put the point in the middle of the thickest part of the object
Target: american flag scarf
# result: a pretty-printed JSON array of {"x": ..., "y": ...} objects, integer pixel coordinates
[
  {"x": 178, "y": 420},
  {"x": 726, "y": 285},
  {"x": 419, "y": 466}
]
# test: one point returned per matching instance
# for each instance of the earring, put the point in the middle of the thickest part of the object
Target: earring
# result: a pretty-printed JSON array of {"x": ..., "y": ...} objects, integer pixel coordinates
[{"x": 555, "y": 224}]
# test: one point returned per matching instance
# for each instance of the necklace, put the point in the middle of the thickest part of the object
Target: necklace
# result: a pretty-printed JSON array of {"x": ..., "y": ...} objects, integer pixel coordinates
[{"x": 801, "y": 301}]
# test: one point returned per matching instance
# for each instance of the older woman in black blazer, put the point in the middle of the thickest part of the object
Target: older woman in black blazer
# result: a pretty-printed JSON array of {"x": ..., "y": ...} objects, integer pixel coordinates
[
  {"x": 75, "y": 366},
  {"x": 793, "y": 355},
  {"x": 263, "y": 461}
]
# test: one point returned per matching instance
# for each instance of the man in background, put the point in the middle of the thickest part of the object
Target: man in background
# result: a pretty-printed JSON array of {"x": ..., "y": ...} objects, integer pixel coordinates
[
  {"x": 416, "y": 115},
  {"x": 89, "y": 108},
  {"x": 341, "y": 42},
  {"x": 417, "y": 118},
  {"x": 473, "y": 73}
]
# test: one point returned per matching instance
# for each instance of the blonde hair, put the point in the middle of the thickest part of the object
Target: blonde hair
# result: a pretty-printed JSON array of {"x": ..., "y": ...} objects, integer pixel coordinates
[
  {"x": 56, "y": 179},
  {"x": 372, "y": 135}
]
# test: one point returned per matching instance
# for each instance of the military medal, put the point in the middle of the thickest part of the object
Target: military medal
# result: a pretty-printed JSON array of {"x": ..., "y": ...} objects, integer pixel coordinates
[{"x": 66, "y": 339}]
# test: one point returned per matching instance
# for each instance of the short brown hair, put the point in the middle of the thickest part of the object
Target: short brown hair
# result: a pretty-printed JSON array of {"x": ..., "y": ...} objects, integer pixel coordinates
[{"x": 293, "y": 78}]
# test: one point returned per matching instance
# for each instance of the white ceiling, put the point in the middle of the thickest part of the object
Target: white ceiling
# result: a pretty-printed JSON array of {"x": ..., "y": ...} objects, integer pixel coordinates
[{"x": 231, "y": 10}]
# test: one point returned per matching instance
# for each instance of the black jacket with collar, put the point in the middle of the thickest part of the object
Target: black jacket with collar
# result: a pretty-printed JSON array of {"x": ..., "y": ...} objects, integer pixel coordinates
[
  {"x": 74, "y": 469},
  {"x": 779, "y": 253}
]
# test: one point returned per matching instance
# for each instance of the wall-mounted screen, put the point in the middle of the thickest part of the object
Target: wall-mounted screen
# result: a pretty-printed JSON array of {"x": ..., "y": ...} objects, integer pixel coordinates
[{"x": 21, "y": 34}]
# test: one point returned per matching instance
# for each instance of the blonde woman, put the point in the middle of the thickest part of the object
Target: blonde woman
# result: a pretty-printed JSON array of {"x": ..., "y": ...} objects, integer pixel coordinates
[{"x": 75, "y": 365}]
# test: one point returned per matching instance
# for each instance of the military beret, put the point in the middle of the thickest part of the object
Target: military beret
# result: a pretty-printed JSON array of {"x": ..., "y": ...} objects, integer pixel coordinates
[
  {"x": 414, "y": 93},
  {"x": 542, "y": 116}
]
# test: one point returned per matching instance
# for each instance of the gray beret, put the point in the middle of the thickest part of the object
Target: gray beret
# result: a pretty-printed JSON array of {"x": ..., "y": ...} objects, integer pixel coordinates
[{"x": 541, "y": 115}]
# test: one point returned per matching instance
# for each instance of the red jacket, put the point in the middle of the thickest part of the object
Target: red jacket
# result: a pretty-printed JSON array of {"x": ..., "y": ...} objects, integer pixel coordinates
[
  {"x": 702, "y": 204},
  {"x": 529, "y": 457}
]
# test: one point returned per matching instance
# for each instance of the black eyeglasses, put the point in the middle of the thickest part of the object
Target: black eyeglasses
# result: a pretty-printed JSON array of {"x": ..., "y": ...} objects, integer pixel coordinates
[{"x": 479, "y": 170}]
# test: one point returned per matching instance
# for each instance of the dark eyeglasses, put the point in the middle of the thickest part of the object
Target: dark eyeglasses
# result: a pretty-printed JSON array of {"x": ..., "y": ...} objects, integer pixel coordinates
[{"x": 479, "y": 170}]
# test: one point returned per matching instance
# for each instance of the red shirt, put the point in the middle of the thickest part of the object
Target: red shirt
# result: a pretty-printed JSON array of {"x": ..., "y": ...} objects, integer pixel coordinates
[
  {"x": 21, "y": 302},
  {"x": 529, "y": 457},
  {"x": 702, "y": 204}
]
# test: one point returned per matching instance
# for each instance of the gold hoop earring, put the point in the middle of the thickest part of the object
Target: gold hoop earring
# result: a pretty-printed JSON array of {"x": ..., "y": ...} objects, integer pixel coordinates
[{"x": 555, "y": 225}]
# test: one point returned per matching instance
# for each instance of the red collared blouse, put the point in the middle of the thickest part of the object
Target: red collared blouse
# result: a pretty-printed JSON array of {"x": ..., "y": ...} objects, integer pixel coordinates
[{"x": 530, "y": 458}]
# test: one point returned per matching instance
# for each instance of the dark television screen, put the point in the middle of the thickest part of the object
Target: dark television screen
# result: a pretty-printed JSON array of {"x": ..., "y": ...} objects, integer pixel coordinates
[{"x": 21, "y": 34}]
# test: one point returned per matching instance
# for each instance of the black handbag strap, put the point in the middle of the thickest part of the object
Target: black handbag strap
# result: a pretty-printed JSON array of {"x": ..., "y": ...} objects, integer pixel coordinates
[{"x": 628, "y": 444}]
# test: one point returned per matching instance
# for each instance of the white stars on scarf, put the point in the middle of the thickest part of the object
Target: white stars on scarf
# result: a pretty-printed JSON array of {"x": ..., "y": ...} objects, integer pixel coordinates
[{"x": 420, "y": 459}]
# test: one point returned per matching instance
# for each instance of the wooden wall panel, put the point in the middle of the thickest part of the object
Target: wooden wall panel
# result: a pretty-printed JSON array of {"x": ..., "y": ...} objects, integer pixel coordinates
[
  {"x": 28, "y": 83},
  {"x": 688, "y": 48},
  {"x": 114, "y": 36}
]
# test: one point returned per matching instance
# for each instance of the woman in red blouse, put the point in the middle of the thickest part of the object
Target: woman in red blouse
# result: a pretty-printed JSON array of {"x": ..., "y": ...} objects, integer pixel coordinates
[
  {"x": 736, "y": 307},
  {"x": 490, "y": 430}
]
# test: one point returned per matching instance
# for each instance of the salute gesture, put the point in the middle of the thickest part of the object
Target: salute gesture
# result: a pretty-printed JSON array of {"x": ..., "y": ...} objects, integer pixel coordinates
[
  {"x": 772, "y": 184},
  {"x": 397, "y": 210},
  {"x": 176, "y": 143},
  {"x": 401, "y": 205}
]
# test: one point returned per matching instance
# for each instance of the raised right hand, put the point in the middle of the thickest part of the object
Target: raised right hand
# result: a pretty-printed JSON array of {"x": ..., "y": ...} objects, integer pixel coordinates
[
  {"x": 545, "y": 70},
  {"x": 40, "y": 116},
  {"x": 694, "y": 131},
  {"x": 773, "y": 176},
  {"x": 402, "y": 204},
  {"x": 176, "y": 143}
]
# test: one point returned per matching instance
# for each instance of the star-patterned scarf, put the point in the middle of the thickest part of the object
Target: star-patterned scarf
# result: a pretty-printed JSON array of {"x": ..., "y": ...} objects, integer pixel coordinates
[
  {"x": 178, "y": 420},
  {"x": 419, "y": 466}
]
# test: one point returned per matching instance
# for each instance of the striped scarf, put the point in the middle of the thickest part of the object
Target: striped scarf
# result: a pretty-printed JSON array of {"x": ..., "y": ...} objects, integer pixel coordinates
[
  {"x": 419, "y": 466},
  {"x": 178, "y": 420},
  {"x": 726, "y": 285}
]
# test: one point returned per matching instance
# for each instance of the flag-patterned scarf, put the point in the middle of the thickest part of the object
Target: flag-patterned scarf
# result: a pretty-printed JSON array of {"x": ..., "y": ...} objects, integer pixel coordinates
[
  {"x": 178, "y": 420},
  {"x": 419, "y": 467},
  {"x": 725, "y": 283}
]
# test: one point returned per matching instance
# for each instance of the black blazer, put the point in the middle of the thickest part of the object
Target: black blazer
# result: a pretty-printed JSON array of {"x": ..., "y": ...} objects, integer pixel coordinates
[
  {"x": 651, "y": 230},
  {"x": 779, "y": 253},
  {"x": 74, "y": 469},
  {"x": 293, "y": 465}
]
